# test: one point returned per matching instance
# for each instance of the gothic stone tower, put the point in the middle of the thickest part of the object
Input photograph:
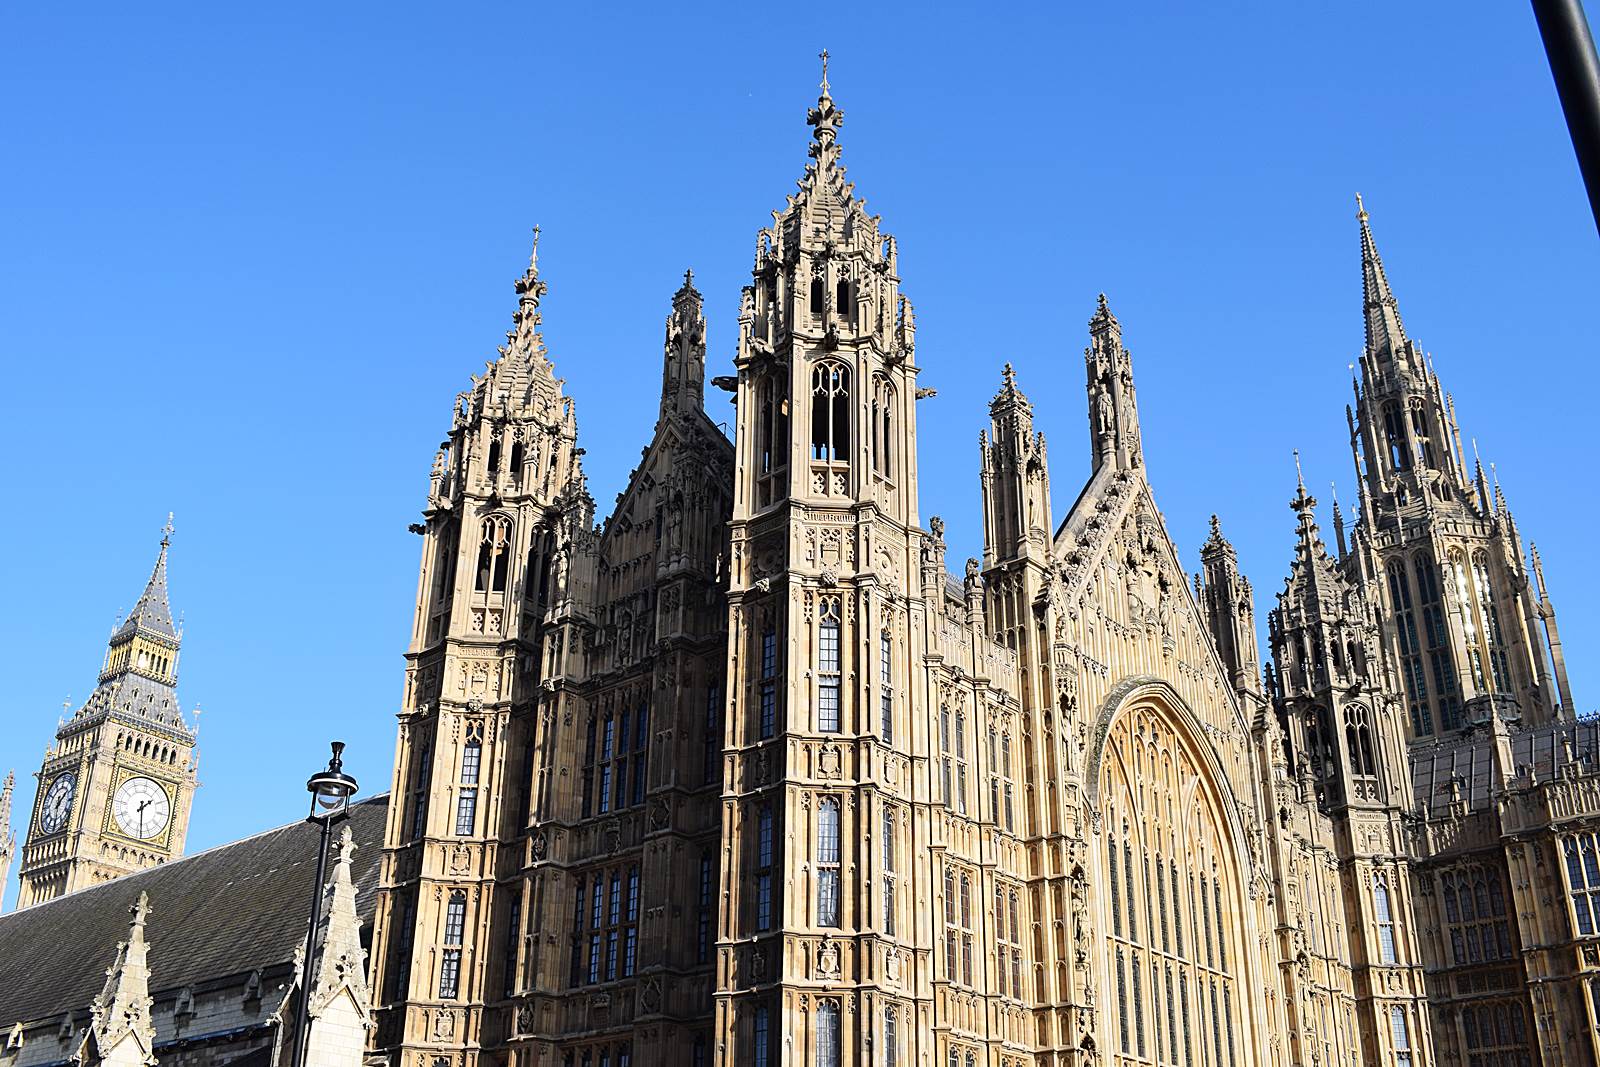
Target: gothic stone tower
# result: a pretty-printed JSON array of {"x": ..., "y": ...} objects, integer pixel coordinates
[
  {"x": 555, "y": 828},
  {"x": 1463, "y": 631},
  {"x": 116, "y": 787},
  {"x": 504, "y": 499}
]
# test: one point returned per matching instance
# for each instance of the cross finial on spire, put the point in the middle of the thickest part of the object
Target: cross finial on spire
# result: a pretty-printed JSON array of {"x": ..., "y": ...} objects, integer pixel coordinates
[
  {"x": 166, "y": 531},
  {"x": 1298, "y": 473},
  {"x": 823, "y": 55},
  {"x": 1361, "y": 209},
  {"x": 533, "y": 259}
]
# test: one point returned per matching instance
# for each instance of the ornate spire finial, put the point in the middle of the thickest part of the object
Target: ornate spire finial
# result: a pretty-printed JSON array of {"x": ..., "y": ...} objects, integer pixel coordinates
[
  {"x": 1008, "y": 376},
  {"x": 823, "y": 55},
  {"x": 533, "y": 257},
  {"x": 1298, "y": 473},
  {"x": 166, "y": 531},
  {"x": 825, "y": 119},
  {"x": 1361, "y": 209}
]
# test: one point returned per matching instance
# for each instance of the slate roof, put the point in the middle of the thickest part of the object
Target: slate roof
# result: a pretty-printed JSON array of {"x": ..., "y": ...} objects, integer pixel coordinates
[
  {"x": 152, "y": 612},
  {"x": 226, "y": 911}
]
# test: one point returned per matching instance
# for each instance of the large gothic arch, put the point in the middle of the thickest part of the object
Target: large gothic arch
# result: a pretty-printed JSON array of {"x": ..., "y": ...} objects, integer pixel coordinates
[{"x": 1177, "y": 960}]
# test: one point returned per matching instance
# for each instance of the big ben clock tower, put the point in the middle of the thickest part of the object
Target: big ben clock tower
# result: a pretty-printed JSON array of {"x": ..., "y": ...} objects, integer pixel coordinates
[{"x": 115, "y": 788}]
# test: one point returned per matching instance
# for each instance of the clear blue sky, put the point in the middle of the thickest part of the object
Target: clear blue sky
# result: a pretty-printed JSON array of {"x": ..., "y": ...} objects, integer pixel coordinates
[{"x": 251, "y": 254}]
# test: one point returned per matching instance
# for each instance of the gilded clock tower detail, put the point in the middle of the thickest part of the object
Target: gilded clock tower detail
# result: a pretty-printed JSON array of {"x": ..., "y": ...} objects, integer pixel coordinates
[{"x": 115, "y": 788}]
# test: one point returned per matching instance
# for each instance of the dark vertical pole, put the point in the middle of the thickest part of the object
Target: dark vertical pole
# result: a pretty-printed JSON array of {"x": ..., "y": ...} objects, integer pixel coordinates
[
  {"x": 1577, "y": 73},
  {"x": 303, "y": 1035}
]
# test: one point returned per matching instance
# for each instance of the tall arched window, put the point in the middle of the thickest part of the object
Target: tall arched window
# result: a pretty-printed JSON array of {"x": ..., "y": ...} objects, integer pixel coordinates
[
  {"x": 1491, "y": 616},
  {"x": 494, "y": 555},
  {"x": 842, "y": 304},
  {"x": 1419, "y": 430},
  {"x": 1394, "y": 437},
  {"x": 1358, "y": 740},
  {"x": 1437, "y": 636},
  {"x": 882, "y": 427},
  {"x": 772, "y": 437},
  {"x": 1168, "y": 985},
  {"x": 828, "y": 862},
  {"x": 467, "y": 795},
  {"x": 1405, "y": 622},
  {"x": 493, "y": 464},
  {"x": 830, "y": 412},
  {"x": 818, "y": 291},
  {"x": 761, "y": 1037}
]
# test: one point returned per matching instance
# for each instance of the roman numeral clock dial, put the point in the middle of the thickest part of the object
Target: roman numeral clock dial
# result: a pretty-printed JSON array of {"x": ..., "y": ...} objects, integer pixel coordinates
[{"x": 141, "y": 808}]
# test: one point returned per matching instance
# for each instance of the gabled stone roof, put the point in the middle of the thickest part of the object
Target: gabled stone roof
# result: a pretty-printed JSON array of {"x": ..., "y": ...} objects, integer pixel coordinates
[{"x": 227, "y": 911}]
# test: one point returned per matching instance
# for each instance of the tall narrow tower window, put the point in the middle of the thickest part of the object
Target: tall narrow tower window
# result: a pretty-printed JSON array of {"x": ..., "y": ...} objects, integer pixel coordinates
[
  {"x": 1384, "y": 914},
  {"x": 828, "y": 667},
  {"x": 768, "y": 695},
  {"x": 818, "y": 293},
  {"x": 1400, "y": 1034},
  {"x": 828, "y": 862},
  {"x": 946, "y": 766},
  {"x": 764, "y": 860},
  {"x": 455, "y": 918},
  {"x": 1394, "y": 437},
  {"x": 1491, "y": 615},
  {"x": 1582, "y": 856},
  {"x": 493, "y": 466},
  {"x": 1405, "y": 624},
  {"x": 830, "y": 412},
  {"x": 886, "y": 687},
  {"x": 467, "y": 796},
  {"x": 1440, "y": 661},
  {"x": 961, "y": 762},
  {"x": 772, "y": 437},
  {"x": 1419, "y": 430},
  {"x": 888, "y": 871},
  {"x": 494, "y": 555},
  {"x": 882, "y": 427},
  {"x": 828, "y": 1038}
]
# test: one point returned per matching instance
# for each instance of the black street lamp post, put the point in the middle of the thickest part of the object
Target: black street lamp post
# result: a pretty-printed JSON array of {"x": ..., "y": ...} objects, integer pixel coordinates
[{"x": 331, "y": 790}]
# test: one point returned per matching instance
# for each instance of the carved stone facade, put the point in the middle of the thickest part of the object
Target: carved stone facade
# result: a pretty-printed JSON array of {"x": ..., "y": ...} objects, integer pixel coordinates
[{"x": 745, "y": 775}]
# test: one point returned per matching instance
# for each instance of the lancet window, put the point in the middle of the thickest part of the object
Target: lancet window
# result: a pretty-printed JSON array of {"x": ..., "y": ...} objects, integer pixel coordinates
[
  {"x": 882, "y": 415},
  {"x": 1405, "y": 622},
  {"x": 494, "y": 555},
  {"x": 830, "y": 412},
  {"x": 772, "y": 437},
  {"x": 1581, "y": 861},
  {"x": 1434, "y": 627}
]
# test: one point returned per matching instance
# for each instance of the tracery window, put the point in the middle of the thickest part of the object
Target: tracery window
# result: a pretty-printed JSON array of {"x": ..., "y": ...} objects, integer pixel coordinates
[
  {"x": 1394, "y": 437},
  {"x": 828, "y": 862},
  {"x": 1582, "y": 854},
  {"x": 961, "y": 761},
  {"x": 1358, "y": 740},
  {"x": 1419, "y": 430},
  {"x": 958, "y": 925},
  {"x": 828, "y": 666},
  {"x": 455, "y": 919},
  {"x": 613, "y": 925},
  {"x": 1008, "y": 940},
  {"x": 494, "y": 554},
  {"x": 1405, "y": 622},
  {"x": 1475, "y": 915},
  {"x": 891, "y": 1036},
  {"x": 1001, "y": 786},
  {"x": 830, "y": 412},
  {"x": 1383, "y": 912},
  {"x": 1496, "y": 1034},
  {"x": 1469, "y": 619},
  {"x": 1172, "y": 894}
]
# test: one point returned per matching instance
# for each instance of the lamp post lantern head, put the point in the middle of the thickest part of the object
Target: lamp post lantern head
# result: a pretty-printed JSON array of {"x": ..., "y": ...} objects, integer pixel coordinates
[{"x": 331, "y": 789}]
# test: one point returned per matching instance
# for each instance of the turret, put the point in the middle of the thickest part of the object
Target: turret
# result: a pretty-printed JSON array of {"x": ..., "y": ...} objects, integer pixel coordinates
[
  {"x": 1113, "y": 409},
  {"x": 1228, "y": 605},
  {"x": 683, "y": 368},
  {"x": 1015, "y": 478}
]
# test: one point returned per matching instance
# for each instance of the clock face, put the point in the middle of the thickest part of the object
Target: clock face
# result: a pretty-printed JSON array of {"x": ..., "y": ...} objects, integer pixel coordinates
[
  {"x": 58, "y": 803},
  {"x": 141, "y": 808}
]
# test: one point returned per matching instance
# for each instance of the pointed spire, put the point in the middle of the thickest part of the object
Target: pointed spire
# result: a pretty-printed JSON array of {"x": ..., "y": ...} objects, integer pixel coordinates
[
  {"x": 683, "y": 366},
  {"x": 530, "y": 289},
  {"x": 122, "y": 1010},
  {"x": 1113, "y": 409},
  {"x": 152, "y": 612},
  {"x": 341, "y": 961},
  {"x": 1385, "y": 332},
  {"x": 8, "y": 838},
  {"x": 1338, "y": 521},
  {"x": 1010, "y": 399}
]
